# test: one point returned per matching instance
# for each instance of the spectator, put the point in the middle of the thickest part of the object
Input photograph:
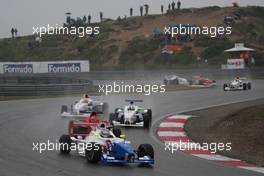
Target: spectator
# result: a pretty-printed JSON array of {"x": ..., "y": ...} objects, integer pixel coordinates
[
  {"x": 30, "y": 45},
  {"x": 141, "y": 10},
  {"x": 173, "y": 6},
  {"x": 169, "y": 7},
  {"x": 89, "y": 19},
  {"x": 235, "y": 4},
  {"x": 162, "y": 9},
  {"x": 146, "y": 9},
  {"x": 15, "y": 31},
  {"x": 179, "y": 4},
  {"x": 84, "y": 19},
  {"x": 131, "y": 12},
  {"x": 101, "y": 16},
  {"x": 12, "y": 32}
]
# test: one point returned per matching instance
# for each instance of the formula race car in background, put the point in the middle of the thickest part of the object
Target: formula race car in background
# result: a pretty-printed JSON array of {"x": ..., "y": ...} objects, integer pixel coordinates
[
  {"x": 105, "y": 145},
  {"x": 175, "y": 80},
  {"x": 237, "y": 84},
  {"x": 86, "y": 125},
  {"x": 200, "y": 81},
  {"x": 82, "y": 109},
  {"x": 131, "y": 115}
]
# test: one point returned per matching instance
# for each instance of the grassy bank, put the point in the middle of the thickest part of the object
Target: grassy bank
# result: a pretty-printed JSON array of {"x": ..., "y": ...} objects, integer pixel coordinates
[
  {"x": 129, "y": 43},
  {"x": 241, "y": 124}
]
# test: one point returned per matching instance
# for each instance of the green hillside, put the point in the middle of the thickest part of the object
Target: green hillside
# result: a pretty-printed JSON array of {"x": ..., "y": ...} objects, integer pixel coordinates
[{"x": 130, "y": 43}]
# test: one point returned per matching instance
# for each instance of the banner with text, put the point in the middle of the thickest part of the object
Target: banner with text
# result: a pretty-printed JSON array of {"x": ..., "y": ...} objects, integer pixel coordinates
[
  {"x": 235, "y": 64},
  {"x": 45, "y": 67}
]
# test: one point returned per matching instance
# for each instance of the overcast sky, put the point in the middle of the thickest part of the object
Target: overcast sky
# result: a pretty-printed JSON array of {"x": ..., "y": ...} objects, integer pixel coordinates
[{"x": 24, "y": 14}]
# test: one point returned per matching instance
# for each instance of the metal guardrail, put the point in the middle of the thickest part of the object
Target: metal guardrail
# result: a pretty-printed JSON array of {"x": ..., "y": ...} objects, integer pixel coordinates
[
  {"x": 45, "y": 89},
  {"x": 41, "y": 80},
  {"x": 43, "y": 85}
]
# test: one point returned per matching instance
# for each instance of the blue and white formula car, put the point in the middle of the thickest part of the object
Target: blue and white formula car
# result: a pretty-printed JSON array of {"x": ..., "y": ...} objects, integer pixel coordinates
[
  {"x": 131, "y": 116},
  {"x": 103, "y": 146}
]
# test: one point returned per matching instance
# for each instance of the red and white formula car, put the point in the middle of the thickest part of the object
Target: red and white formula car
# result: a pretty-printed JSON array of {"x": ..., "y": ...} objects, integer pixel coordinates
[
  {"x": 201, "y": 81},
  {"x": 85, "y": 126}
]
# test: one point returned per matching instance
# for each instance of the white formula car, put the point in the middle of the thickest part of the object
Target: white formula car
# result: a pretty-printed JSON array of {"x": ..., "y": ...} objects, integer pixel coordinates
[
  {"x": 131, "y": 115},
  {"x": 237, "y": 84},
  {"x": 175, "y": 80},
  {"x": 81, "y": 110}
]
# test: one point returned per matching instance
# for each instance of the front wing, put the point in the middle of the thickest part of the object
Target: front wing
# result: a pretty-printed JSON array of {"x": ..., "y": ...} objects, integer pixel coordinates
[
  {"x": 233, "y": 88},
  {"x": 140, "y": 124},
  {"x": 144, "y": 160},
  {"x": 68, "y": 115}
]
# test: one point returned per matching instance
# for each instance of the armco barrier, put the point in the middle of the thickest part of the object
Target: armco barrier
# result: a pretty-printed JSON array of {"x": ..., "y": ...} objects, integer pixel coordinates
[
  {"x": 45, "y": 89},
  {"x": 41, "y": 80}
]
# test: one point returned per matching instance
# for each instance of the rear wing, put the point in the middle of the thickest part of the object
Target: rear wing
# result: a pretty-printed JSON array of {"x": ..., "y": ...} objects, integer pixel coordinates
[{"x": 137, "y": 101}]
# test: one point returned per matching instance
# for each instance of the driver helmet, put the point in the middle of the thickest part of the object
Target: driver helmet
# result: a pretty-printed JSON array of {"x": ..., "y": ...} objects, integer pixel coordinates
[
  {"x": 105, "y": 133},
  {"x": 85, "y": 96},
  {"x": 102, "y": 125},
  {"x": 131, "y": 106}
]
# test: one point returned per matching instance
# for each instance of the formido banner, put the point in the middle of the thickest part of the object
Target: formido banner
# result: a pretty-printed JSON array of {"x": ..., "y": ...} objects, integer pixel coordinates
[{"x": 45, "y": 67}]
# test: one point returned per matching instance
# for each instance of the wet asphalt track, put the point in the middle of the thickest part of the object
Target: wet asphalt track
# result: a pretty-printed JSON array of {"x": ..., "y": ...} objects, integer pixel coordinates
[{"x": 26, "y": 121}]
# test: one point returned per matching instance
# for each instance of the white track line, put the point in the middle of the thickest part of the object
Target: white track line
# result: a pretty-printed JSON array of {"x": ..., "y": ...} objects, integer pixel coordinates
[
  {"x": 256, "y": 169},
  {"x": 215, "y": 157},
  {"x": 179, "y": 117},
  {"x": 170, "y": 133},
  {"x": 171, "y": 124}
]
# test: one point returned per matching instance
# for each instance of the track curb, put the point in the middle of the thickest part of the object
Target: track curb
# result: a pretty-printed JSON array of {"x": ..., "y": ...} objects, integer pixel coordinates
[{"x": 171, "y": 132}]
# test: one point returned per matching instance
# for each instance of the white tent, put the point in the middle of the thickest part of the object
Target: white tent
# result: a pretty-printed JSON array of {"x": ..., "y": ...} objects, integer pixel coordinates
[{"x": 239, "y": 47}]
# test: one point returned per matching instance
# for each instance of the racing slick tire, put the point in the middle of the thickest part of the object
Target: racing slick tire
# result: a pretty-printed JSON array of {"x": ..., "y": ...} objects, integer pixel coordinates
[
  {"x": 245, "y": 86},
  {"x": 64, "y": 108},
  {"x": 112, "y": 117},
  {"x": 165, "y": 82},
  {"x": 224, "y": 87},
  {"x": 65, "y": 144},
  {"x": 116, "y": 109},
  {"x": 93, "y": 154},
  {"x": 122, "y": 119},
  {"x": 117, "y": 132},
  {"x": 145, "y": 150},
  {"x": 249, "y": 86},
  {"x": 149, "y": 112},
  {"x": 146, "y": 120}
]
